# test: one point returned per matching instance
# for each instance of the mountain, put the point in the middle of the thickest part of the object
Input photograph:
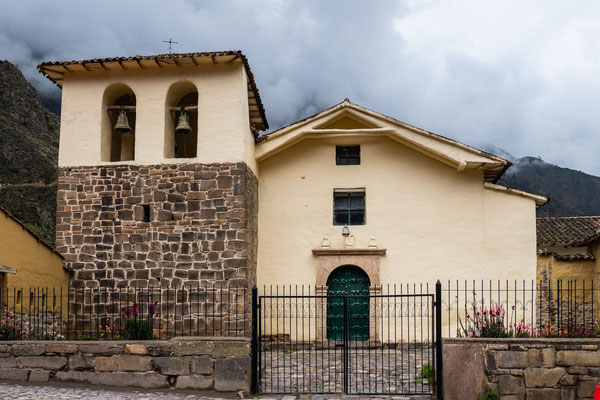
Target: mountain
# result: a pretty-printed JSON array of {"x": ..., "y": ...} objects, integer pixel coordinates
[
  {"x": 571, "y": 193},
  {"x": 28, "y": 153}
]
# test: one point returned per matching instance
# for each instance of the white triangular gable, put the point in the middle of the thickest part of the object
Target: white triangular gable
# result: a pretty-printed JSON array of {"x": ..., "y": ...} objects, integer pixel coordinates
[{"x": 336, "y": 121}]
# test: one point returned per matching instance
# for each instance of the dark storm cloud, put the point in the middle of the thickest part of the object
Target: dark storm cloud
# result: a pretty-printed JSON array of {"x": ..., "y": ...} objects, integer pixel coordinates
[{"x": 522, "y": 77}]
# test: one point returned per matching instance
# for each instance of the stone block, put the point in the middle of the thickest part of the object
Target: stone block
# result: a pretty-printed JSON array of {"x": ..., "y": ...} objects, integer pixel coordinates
[
  {"x": 139, "y": 349},
  {"x": 577, "y": 370},
  {"x": 27, "y": 349},
  {"x": 508, "y": 384},
  {"x": 79, "y": 362},
  {"x": 159, "y": 350},
  {"x": 568, "y": 393},
  {"x": 578, "y": 358},
  {"x": 4, "y": 348},
  {"x": 549, "y": 357},
  {"x": 202, "y": 365},
  {"x": 589, "y": 347},
  {"x": 38, "y": 375},
  {"x": 149, "y": 380},
  {"x": 231, "y": 349},
  {"x": 232, "y": 374},
  {"x": 543, "y": 377},
  {"x": 192, "y": 348},
  {"x": 42, "y": 362},
  {"x": 195, "y": 382},
  {"x": 134, "y": 363},
  {"x": 14, "y": 374},
  {"x": 61, "y": 348},
  {"x": 568, "y": 380},
  {"x": 511, "y": 359},
  {"x": 587, "y": 388},
  {"x": 105, "y": 363},
  {"x": 74, "y": 376},
  {"x": 172, "y": 365},
  {"x": 8, "y": 362},
  {"x": 494, "y": 346},
  {"x": 542, "y": 394},
  {"x": 101, "y": 348},
  {"x": 535, "y": 358}
]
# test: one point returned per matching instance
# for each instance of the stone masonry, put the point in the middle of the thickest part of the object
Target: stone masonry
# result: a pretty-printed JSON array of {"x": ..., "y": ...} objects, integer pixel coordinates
[
  {"x": 175, "y": 229},
  {"x": 530, "y": 369},
  {"x": 166, "y": 226},
  {"x": 222, "y": 364}
]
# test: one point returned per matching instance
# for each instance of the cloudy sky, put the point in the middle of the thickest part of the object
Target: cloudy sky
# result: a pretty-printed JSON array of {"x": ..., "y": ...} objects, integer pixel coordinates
[{"x": 521, "y": 76}]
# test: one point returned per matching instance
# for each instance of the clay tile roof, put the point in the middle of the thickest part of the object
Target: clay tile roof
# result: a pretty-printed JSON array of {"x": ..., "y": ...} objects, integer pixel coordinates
[
  {"x": 567, "y": 231},
  {"x": 567, "y": 257},
  {"x": 55, "y": 71}
]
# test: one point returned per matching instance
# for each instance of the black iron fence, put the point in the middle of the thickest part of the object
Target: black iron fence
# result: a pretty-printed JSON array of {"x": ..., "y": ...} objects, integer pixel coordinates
[
  {"x": 547, "y": 308},
  {"x": 378, "y": 341},
  {"x": 138, "y": 313}
]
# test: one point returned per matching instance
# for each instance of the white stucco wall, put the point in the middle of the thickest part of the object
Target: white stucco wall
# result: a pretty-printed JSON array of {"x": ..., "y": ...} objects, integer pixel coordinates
[
  {"x": 223, "y": 122},
  {"x": 435, "y": 222}
]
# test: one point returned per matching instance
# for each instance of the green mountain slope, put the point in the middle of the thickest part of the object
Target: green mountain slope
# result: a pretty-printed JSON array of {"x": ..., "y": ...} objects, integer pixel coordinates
[
  {"x": 28, "y": 153},
  {"x": 571, "y": 193}
]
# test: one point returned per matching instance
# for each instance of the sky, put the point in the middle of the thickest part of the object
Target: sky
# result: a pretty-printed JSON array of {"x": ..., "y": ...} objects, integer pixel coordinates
[{"x": 513, "y": 75}]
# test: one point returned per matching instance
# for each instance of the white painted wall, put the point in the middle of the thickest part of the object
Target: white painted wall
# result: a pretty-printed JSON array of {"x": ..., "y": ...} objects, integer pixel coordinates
[
  {"x": 223, "y": 122},
  {"x": 435, "y": 222}
]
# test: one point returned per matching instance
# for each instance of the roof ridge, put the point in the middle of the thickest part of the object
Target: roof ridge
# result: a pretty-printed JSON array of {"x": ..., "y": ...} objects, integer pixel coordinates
[{"x": 28, "y": 229}]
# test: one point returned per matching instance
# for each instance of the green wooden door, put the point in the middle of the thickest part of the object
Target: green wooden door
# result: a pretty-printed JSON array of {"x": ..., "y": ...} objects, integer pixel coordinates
[{"x": 348, "y": 281}]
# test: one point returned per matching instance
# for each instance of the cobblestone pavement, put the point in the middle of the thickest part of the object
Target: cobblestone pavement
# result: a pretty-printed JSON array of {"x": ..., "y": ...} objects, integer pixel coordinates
[
  {"x": 374, "y": 370},
  {"x": 14, "y": 391}
]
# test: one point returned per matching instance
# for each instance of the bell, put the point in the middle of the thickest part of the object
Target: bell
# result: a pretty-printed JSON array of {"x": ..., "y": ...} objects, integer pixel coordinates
[
  {"x": 183, "y": 125},
  {"x": 122, "y": 125}
]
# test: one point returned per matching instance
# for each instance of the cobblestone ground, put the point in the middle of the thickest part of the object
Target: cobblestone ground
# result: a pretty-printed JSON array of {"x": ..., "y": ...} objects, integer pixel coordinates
[
  {"x": 376, "y": 370},
  {"x": 13, "y": 391}
]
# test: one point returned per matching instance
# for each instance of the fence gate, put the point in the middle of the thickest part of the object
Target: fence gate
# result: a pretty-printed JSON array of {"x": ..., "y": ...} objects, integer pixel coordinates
[{"x": 385, "y": 341}]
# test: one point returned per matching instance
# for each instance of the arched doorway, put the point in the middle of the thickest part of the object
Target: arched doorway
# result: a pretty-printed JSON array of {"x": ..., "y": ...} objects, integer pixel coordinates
[{"x": 353, "y": 283}]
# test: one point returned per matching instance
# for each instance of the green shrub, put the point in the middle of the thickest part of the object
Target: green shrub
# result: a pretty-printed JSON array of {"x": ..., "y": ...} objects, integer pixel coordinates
[
  {"x": 488, "y": 394},
  {"x": 136, "y": 328},
  {"x": 426, "y": 374}
]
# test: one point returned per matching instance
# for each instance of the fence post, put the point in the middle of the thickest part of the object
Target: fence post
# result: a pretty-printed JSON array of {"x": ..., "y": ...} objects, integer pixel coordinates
[
  {"x": 439, "y": 368},
  {"x": 254, "y": 357}
]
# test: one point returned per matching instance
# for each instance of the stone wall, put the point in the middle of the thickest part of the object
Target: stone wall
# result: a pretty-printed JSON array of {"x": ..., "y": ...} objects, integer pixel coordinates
[
  {"x": 164, "y": 226},
  {"x": 531, "y": 369},
  {"x": 220, "y": 364}
]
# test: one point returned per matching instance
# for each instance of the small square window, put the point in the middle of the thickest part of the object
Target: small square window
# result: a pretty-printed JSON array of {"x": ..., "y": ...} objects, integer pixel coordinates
[
  {"x": 347, "y": 155},
  {"x": 349, "y": 207}
]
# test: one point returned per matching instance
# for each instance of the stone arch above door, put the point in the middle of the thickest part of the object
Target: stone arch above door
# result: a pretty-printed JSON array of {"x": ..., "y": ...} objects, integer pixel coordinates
[{"x": 329, "y": 260}]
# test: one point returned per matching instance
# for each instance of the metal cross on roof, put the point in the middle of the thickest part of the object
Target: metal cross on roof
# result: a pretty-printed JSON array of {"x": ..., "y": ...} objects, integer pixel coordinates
[{"x": 170, "y": 41}]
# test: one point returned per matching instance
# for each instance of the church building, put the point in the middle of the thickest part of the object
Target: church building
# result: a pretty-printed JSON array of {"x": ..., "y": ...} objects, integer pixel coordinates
[{"x": 166, "y": 181}]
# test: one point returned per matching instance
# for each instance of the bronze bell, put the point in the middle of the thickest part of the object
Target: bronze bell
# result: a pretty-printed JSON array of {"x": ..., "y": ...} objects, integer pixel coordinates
[
  {"x": 183, "y": 125},
  {"x": 122, "y": 125}
]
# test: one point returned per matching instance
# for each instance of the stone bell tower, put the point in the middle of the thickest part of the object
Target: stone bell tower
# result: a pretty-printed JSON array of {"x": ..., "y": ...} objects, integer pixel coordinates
[{"x": 143, "y": 200}]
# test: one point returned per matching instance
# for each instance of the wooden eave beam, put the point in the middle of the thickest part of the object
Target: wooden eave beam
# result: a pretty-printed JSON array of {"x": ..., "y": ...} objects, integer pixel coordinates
[
  {"x": 67, "y": 69},
  {"x": 176, "y": 61},
  {"x": 235, "y": 57},
  {"x": 156, "y": 61},
  {"x": 186, "y": 108},
  {"x": 121, "y": 65},
  {"x": 119, "y": 108},
  {"x": 102, "y": 65},
  {"x": 214, "y": 59},
  {"x": 139, "y": 63},
  {"x": 194, "y": 60},
  {"x": 84, "y": 67}
]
